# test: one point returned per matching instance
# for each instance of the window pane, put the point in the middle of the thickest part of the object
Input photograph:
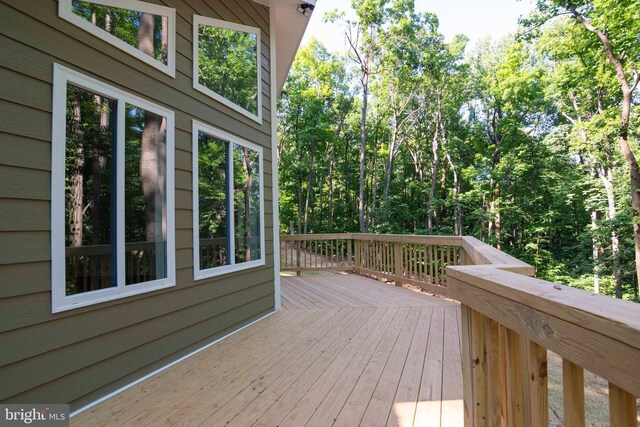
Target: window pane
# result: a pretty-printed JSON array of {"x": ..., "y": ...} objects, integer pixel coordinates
[
  {"x": 212, "y": 203},
  {"x": 247, "y": 203},
  {"x": 144, "y": 31},
  {"x": 228, "y": 65},
  {"x": 89, "y": 200},
  {"x": 145, "y": 196}
]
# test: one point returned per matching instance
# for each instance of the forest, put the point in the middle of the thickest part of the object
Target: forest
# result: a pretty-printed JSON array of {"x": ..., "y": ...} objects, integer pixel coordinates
[{"x": 527, "y": 142}]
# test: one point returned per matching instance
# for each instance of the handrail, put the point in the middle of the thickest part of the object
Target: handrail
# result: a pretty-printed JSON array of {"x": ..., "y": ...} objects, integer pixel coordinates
[{"x": 509, "y": 321}]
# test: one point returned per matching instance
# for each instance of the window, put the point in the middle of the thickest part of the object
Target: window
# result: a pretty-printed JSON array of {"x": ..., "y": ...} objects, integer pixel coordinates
[
  {"x": 112, "y": 209},
  {"x": 228, "y": 209},
  {"x": 144, "y": 30},
  {"x": 226, "y": 64}
]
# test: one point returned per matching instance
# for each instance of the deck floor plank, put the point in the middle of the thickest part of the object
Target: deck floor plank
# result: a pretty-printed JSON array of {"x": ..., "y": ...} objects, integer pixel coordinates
[
  {"x": 344, "y": 350},
  {"x": 452, "y": 407},
  {"x": 305, "y": 405},
  {"x": 406, "y": 397},
  {"x": 327, "y": 412},
  {"x": 324, "y": 352},
  {"x": 210, "y": 400},
  {"x": 136, "y": 402},
  {"x": 380, "y": 405},
  {"x": 430, "y": 396},
  {"x": 356, "y": 404}
]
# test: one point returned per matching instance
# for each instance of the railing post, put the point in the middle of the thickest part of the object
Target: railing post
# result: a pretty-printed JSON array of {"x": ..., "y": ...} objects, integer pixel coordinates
[
  {"x": 397, "y": 264},
  {"x": 463, "y": 257}
]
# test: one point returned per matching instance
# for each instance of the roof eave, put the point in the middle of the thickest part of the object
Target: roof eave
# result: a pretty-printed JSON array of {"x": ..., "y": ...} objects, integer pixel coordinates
[{"x": 289, "y": 27}]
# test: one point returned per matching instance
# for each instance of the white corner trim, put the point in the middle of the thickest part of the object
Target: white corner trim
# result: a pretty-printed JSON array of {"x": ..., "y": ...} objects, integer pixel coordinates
[
  {"x": 203, "y": 20},
  {"x": 199, "y": 274},
  {"x": 167, "y": 366},
  {"x": 274, "y": 158},
  {"x": 60, "y": 301},
  {"x": 65, "y": 12}
]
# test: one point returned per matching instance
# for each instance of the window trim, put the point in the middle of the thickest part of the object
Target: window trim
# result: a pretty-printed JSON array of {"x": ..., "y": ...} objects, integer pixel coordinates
[
  {"x": 198, "y": 273},
  {"x": 60, "y": 301},
  {"x": 203, "y": 20},
  {"x": 65, "y": 12}
]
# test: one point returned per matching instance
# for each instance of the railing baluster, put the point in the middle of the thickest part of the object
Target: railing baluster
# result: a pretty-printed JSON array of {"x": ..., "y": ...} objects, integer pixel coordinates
[
  {"x": 298, "y": 258},
  {"x": 407, "y": 260},
  {"x": 535, "y": 359},
  {"x": 494, "y": 356},
  {"x": 430, "y": 265},
  {"x": 442, "y": 283},
  {"x": 573, "y": 394},
  {"x": 478, "y": 374},
  {"x": 514, "y": 377},
  {"x": 622, "y": 407}
]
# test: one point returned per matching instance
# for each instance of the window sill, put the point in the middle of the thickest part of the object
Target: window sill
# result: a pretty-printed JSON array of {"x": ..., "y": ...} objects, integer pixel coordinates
[
  {"x": 227, "y": 269},
  {"x": 67, "y": 303}
]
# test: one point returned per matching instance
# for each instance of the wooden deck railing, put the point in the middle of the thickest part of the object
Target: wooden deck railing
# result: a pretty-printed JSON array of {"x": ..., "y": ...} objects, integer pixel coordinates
[
  {"x": 509, "y": 321},
  {"x": 415, "y": 260}
]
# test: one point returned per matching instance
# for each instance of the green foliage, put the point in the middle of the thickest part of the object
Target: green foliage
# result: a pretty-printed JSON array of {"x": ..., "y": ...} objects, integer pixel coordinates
[
  {"x": 521, "y": 129},
  {"x": 228, "y": 65},
  {"x": 121, "y": 23}
]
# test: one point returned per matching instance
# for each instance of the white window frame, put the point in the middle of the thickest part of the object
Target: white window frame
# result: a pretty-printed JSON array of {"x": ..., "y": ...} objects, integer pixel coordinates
[
  {"x": 62, "y": 77},
  {"x": 199, "y": 274},
  {"x": 65, "y": 12},
  {"x": 203, "y": 20}
]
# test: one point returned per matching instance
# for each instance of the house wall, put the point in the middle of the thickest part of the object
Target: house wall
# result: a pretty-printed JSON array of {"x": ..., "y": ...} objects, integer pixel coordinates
[{"x": 80, "y": 355}]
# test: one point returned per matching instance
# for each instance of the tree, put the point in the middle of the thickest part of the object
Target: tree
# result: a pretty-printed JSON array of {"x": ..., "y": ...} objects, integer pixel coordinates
[
  {"x": 616, "y": 25},
  {"x": 153, "y": 149},
  {"x": 362, "y": 39}
]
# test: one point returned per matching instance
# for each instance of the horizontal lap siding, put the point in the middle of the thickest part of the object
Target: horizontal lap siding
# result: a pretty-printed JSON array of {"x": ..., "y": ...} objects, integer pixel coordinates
[{"x": 79, "y": 355}]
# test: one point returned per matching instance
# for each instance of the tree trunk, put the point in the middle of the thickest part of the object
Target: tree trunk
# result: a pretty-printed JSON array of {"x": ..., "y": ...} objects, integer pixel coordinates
[
  {"x": 434, "y": 174},
  {"x": 634, "y": 179},
  {"x": 247, "y": 203},
  {"x": 606, "y": 176},
  {"x": 309, "y": 191},
  {"x": 299, "y": 177},
  {"x": 76, "y": 196},
  {"x": 363, "y": 149},
  {"x": 152, "y": 156},
  {"x": 164, "y": 47},
  {"x": 457, "y": 210},
  {"x": 388, "y": 171},
  {"x": 332, "y": 157},
  {"x": 98, "y": 170},
  {"x": 623, "y": 138},
  {"x": 596, "y": 252},
  {"x": 374, "y": 191}
]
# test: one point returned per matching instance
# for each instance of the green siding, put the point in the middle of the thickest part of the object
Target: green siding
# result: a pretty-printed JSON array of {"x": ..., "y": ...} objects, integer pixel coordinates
[{"x": 80, "y": 355}]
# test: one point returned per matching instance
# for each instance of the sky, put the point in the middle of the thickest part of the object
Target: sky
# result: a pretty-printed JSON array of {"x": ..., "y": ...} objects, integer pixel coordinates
[{"x": 477, "y": 19}]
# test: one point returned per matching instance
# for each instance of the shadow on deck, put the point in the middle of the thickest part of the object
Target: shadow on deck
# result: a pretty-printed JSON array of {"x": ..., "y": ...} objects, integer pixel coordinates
[{"x": 344, "y": 350}]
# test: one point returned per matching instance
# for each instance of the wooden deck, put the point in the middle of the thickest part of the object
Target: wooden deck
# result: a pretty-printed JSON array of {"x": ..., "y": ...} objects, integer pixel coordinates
[{"x": 343, "y": 351}]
